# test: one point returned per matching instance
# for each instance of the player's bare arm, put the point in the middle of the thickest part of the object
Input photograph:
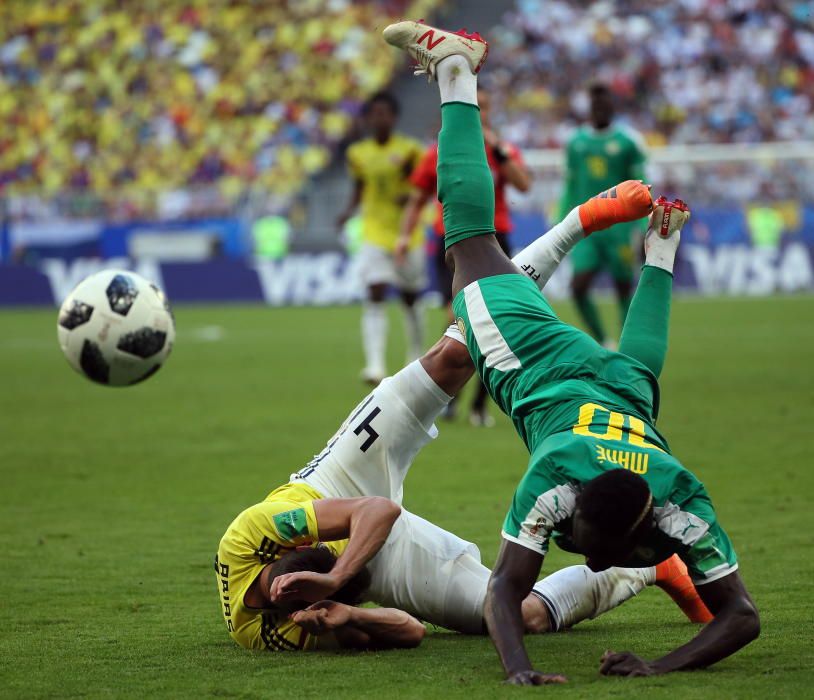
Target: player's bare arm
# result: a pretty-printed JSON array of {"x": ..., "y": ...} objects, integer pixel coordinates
[
  {"x": 512, "y": 578},
  {"x": 366, "y": 522},
  {"x": 735, "y": 625},
  {"x": 361, "y": 628}
]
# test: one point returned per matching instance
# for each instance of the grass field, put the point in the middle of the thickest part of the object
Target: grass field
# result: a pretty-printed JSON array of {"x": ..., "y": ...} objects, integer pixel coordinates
[{"x": 113, "y": 502}]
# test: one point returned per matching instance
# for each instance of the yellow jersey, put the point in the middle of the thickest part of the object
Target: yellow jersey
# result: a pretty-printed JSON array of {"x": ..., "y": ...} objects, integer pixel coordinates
[
  {"x": 258, "y": 536},
  {"x": 383, "y": 170}
]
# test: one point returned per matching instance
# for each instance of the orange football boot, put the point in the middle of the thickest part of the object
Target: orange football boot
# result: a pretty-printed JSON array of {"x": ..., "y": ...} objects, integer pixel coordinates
[
  {"x": 673, "y": 579},
  {"x": 627, "y": 201}
]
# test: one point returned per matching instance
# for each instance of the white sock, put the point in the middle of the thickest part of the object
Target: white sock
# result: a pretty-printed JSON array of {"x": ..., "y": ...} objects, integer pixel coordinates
[
  {"x": 414, "y": 328},
  {"x": 540, "y": 259},
  {"x": 374, "y": 336},
  {"x": 576, "y": 593},
  {"x": 456, "y": 81},
  {"x": 661, "y": 252},
  {"x": 416, "y": 390}
]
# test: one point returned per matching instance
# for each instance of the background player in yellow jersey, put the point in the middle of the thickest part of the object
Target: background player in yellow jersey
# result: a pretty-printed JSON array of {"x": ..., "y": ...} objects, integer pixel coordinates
[
  {"x": 251, "y": 565},
  {"x": 380, "y": 166}
]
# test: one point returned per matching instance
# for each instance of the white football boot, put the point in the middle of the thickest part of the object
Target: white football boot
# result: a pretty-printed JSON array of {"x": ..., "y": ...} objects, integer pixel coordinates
[
  {"x": 430, "y": 45},
  {"x": 664, "y": 232}
]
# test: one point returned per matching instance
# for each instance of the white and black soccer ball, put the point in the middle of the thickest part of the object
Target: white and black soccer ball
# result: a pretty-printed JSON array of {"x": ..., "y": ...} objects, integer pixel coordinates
[{"x": 116, "y": 328}]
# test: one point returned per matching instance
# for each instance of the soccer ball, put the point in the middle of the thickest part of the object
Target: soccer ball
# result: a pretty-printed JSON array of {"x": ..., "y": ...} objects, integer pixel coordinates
[{"x": 116, "y": 328}]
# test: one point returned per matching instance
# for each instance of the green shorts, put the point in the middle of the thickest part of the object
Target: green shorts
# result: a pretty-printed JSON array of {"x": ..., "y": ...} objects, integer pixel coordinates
[
  {"x": 536, "y": 367},
  {"x": 609, "y": 250}
]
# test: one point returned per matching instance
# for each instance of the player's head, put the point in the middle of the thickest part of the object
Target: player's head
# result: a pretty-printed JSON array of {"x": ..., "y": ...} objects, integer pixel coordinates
[
  {"x": 381, "y": 112},
  {"x": 485, "y": 104},
  {"x": 321, "y": 560},
  {"x": 614, "y": 512},
  {"x": 602, "y": 106}
]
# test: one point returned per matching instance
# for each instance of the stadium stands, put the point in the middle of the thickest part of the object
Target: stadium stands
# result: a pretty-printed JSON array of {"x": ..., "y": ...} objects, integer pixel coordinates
[
  {"x": 129, "y": 100},
  {"x": 685, "y": 72}
]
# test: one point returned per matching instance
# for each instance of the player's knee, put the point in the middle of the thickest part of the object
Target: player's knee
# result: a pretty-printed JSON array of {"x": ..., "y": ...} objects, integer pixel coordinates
[
  {"x": 449, "y": 354},
  {"x": 449, "y": 261},
  {"x": 448, "y": 364},
  {"x": 748, "y": 619}
]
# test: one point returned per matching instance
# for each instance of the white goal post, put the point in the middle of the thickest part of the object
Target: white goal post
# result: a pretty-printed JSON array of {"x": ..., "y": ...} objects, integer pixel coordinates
[
  {"x": 545, "y": 158},
  {"x": 738, "y": 174}
]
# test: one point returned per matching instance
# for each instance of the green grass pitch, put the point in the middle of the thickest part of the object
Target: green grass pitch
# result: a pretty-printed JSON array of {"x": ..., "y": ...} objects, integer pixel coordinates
[{"x": 113, "y": 501}]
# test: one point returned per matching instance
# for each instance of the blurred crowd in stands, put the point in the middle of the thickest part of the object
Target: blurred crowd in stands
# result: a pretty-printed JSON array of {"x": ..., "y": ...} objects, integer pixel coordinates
[
  {"x": 160, "y": 106},
  {"x": 132, "y": 99},
  {"x": 683, "y": 72}
]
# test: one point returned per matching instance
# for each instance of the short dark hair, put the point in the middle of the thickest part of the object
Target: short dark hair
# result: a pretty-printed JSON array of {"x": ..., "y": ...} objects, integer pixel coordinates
[
  {"x": 322, "y": 560},
  {"x": 385, "y": 98},
  {"x": 615, "y": 502}
]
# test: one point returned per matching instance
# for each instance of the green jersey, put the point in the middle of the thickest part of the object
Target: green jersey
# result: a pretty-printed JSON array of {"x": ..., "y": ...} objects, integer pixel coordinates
[
  {"x": 602, "y": 439},
  {"x": 509, "y": 325},
  {"x": 596, "y": 160},
  {"x": 581, "y": 410}
]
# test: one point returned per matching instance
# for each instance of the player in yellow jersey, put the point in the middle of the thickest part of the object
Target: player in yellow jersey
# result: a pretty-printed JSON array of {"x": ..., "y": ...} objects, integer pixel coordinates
[
  {"x": 359, "y": 546},
  {"x": 261, "y": 547},
  {"x": 380, "y": 166}
]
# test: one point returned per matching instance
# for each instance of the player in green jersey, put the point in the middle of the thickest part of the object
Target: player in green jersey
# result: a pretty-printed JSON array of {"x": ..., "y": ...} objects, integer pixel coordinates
[
  {"x": 596, "y": 158},
  {"x": 601, "y": 479}
]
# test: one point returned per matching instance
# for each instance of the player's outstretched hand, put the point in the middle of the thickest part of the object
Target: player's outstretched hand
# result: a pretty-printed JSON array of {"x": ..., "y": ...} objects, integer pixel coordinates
[
  {"x": 323, "y": 617},
  {"x": 309, "y": 586},
  {"x": 625, "y": 663},
  {"x": 535, "y": 678}
]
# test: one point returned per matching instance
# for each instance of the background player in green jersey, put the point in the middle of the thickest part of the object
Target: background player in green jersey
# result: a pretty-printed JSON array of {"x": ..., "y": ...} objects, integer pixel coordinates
[
  {"x": 599, "y": 474},
  {"x": 596, "y": 158}
]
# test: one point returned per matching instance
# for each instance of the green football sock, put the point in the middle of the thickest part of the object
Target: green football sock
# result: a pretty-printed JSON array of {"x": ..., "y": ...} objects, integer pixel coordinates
[
  {"x": 644, "y": 336},
  {"x": 465, "y": 186},
  {"x": 590, "y": 315},
  {"x": 624, "y": 307}
]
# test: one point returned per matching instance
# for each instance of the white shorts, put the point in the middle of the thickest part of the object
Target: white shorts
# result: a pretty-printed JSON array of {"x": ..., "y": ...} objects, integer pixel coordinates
[
  {"x": 372, "y": 452},
  {"x": 422, "y": 569},
  {"x": 378, "y": 266},
  {"x": 432, "y": 574}
]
